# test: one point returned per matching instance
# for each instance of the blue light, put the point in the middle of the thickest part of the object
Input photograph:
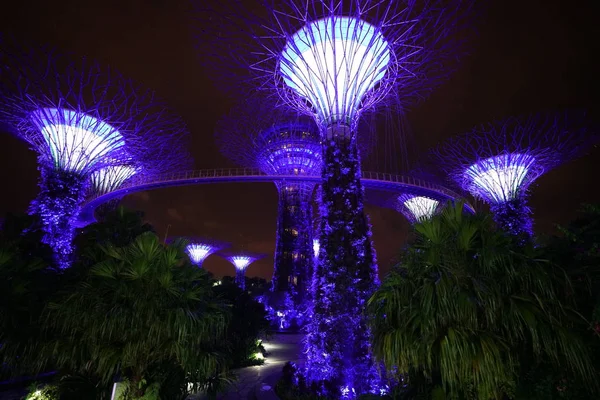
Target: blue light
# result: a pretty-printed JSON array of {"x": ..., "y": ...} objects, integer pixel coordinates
[
  {"x": 333, "y": 62},
  {"x": 501, "y": 178},
  {"x": 241, "y": 262},
  {"x": 417, "y": 208},
  {"x": 76, "y": 140},
  {"x": 316, "y": 247},
  {"x": 199, "y": 251},
  {"x": 107, "y": 179}
]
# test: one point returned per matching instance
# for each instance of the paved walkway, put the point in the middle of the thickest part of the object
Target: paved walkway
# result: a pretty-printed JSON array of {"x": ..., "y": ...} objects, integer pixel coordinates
[{"x": 281, "y": 348}]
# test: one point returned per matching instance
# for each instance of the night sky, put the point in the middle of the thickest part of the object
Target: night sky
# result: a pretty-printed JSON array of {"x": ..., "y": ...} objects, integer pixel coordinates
[{"x": 526, "y": 56}]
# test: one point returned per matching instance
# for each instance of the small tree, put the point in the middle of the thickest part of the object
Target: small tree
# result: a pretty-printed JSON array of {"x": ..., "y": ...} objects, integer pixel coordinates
[
  {"x": 468, "y": 307},
  {"x": 140, "y": 306}
]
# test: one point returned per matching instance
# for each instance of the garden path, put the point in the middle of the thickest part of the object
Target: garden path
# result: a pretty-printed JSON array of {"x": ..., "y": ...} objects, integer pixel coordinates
[{"x": 281, "y": 348}]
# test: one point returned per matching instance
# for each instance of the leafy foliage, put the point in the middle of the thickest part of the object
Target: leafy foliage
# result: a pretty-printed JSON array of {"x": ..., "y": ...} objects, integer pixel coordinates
[
  {"x": 248, "y": 322},
  {"x": 140, "y": 305},
  {"x": 469, "y": 309}
]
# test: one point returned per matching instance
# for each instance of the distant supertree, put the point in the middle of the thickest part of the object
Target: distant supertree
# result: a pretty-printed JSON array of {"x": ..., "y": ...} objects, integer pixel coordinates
[
  {"x": 333, "y": 59},
  {"x": 281, "y": 142},
  {"x": 498, "y": 162},
  {"x": 81, "y": 119},
  {"x": 416, "y": 208},
  {"x": 200, "y": 248},
  {"x": 241, "y": 261}
]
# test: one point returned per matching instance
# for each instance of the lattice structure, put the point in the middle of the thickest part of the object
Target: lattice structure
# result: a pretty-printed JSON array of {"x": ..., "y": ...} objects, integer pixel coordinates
[
  {"x": 417, "y": 208},
  {"x": 498, "y": 162},
  {"x": 82, "y": 119},
  {"x": 241, "y": 261}
]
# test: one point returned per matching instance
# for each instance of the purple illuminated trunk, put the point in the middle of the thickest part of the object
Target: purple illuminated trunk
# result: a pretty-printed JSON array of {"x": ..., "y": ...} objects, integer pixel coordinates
[
  {"x": 514, "y": 217},
  {"x": 240, "y": 278},
  {"x": 293, "y": 254},
  {"x": 58, "y": 205},
  {"x": 337, "y": 343}
]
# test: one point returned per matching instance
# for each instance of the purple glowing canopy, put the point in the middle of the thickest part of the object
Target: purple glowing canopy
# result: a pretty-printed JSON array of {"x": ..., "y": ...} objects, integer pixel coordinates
[
  {"x": 497, "y": 162},
  {"x": 333, "y": 62},
  {"x": 417, "y": 208},
  {"x": 200, "y": 248},
  {"x": 501, "y": 178},
  {"x": 277, "y": 140},
  {"x": 81, "y": 117},
  {"x": 333, "y": 58},
  {"x": 242, "y": 259}
]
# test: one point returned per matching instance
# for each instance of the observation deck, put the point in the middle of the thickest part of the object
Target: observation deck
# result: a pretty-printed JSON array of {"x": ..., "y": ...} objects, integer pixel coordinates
[{"x": 373, "y": 180}]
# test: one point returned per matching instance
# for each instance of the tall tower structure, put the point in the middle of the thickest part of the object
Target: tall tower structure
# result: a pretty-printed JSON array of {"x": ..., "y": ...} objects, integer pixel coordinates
[
  {"x": 82, "y": 120},
  {"x": 241, "y": 261},
  {"x": 280, "y": 142},
  {"x": 498, "y": 162}
]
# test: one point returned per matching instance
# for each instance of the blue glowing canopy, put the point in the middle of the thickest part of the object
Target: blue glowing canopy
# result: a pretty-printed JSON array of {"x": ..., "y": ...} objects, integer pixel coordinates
[
  {"x": 501, "y": 178},
  {"x": 76, "y": 140},
  {"x": 333, "y": 62}
]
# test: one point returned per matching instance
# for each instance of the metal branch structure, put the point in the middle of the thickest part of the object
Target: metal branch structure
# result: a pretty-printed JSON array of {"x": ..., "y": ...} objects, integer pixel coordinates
[
  {"x": 85, "y": 122},
  {"x": 417, "y": 208},
  {"x": 199, "y": 249},
  {"x": 241, "y": 260},
  {"x": 498, "y": 162},
  {"x": 279, "y": 141}
]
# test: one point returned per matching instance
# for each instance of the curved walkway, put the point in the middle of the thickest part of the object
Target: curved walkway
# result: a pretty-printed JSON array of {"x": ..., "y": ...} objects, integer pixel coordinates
[
  {"x": 261, "y": 379},
  {"x": 376, "y": 180}
]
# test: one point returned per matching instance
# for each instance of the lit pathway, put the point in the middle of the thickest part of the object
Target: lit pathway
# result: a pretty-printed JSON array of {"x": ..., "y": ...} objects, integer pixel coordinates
[{"x": 281, "y": 348}]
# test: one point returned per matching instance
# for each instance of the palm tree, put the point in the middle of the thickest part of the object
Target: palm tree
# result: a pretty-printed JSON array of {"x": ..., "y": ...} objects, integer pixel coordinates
[
  {"x": 141, "y": 306},
  {"x": 467, "y": 307}
]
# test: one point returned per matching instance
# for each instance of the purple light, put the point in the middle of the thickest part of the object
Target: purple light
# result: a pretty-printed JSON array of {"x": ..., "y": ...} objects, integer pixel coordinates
[
  {"x": 316, "y": 247},
  {"x": 241, "y": 263},
  {"x": 107, "y": 179},
  {"x": 76, "y": 140},
  {"x": 498, "y": 162},
  {"x": 417, "y": 208},
  {"x": 198, "y": 252},
  {"x": 499, "y": 179},
  {"x": 333, "y": 62}
]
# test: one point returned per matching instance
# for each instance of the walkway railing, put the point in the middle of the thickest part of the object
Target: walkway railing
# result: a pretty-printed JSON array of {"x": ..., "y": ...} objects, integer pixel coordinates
[{"x": 379, "y": 180}]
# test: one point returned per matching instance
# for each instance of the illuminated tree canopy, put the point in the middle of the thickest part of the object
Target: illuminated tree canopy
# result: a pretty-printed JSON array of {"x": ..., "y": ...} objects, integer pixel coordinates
[
  {"x": 91, "y": 127},
  {"x": 499, "y": 161},
  {"x": 199, "y": 249},
  {"x": 336, "y": 57},
  {"x": 241, "y": 261}
]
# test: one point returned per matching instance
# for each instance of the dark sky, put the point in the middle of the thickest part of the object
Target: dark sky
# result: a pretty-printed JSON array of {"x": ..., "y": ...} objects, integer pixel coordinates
[{"x": 527, "y": 56}]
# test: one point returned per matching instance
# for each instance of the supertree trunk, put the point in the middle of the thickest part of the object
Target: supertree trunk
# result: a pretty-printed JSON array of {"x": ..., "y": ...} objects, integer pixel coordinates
[
  {"x": 337, "y": 342},
  {"x": 61, "y": 195},
  {"x": 514, "y": 217},
  {"x": 304, "y": 263},
  {"x": 240, "y": 278}
]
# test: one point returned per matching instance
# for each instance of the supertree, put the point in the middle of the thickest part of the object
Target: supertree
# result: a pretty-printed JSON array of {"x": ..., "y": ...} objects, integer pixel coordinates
[
  {"x": 80, "y": 119},
  {"x": 416, "y": 208},
  {"x": 334, "y": 59},
  {"x": 241, "y": 261},
  {"x": 200, "y": 248},
  {"x": 498, "y": 162},
  {"x": 279, "y": 141}
]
